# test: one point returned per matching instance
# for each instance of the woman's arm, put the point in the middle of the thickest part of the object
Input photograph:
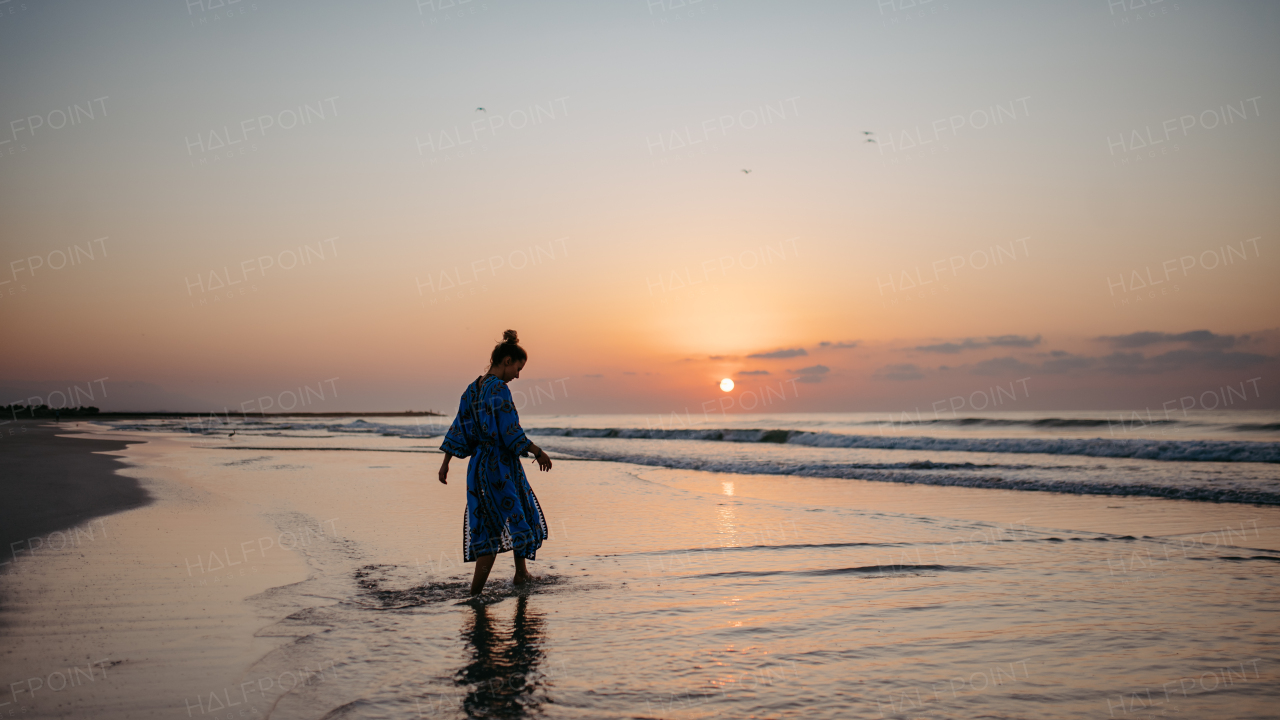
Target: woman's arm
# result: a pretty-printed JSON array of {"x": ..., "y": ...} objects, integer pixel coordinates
[
  {"x": 444, "y": 468},
  {"x": 510, "y": 434}
]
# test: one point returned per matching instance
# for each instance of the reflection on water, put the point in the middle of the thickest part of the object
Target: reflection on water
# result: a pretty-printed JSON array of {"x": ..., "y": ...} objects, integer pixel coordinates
[{"x": 503, "y": 678}]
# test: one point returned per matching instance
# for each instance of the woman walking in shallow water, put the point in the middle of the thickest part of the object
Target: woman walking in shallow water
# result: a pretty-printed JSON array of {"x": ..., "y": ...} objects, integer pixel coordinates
[{"x": 502, "y": 512}]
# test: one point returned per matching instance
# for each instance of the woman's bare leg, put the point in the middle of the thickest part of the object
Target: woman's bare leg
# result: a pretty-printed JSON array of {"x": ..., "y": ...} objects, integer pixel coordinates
[
  {"x": 484, "y": 564},
  {"x": 522, "y": 573}
]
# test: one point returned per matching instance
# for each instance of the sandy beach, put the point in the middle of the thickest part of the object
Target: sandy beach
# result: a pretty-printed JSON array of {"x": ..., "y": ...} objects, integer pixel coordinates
[
  {"x": 103, "y": 618},
  {"x": 305, "y": 582},
  {"x": 54, "y": 484}
]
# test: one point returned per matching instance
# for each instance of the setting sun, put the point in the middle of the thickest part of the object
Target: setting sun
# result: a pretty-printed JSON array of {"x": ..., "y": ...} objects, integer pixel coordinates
[{"x": 726, "y": 384}]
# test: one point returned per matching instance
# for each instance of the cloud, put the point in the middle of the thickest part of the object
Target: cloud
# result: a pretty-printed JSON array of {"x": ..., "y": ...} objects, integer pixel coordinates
[
  {"x": 1210, "y": 359},
  {"x": 948, "y": 348},
  {"x": 811, "y": 370},
  {"x": 901, "y": 371},
  {"x": 1059, "y": 362},
  {"x": 839, "y": 345},
  {"x": 1203, "y": 351},
  {"x": 1001, "y": 366},
  {"x": 628, "y": 372},
  {"x": 1137, "y": 364},
  {"x": 811, "y": 374},
  {"x": 1021, "y": 341},
  {"x": 752, "y": 372},
  {"x": 1124, "y": 363},
  {"x": 779, "y": 354},
  {"x": 1063, "y": 362},
  {"x": 951, "y": 348},
  {"x": 1202, "y": 339},
  {"x": 594, "y": 375}
]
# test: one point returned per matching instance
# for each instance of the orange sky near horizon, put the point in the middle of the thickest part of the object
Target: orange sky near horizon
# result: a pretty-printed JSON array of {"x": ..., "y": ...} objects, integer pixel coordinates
[{"x": 965, "y": 199}]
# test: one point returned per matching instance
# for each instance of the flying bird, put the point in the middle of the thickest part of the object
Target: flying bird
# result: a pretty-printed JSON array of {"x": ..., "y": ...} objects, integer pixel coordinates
[
  {"x": 867, "y": 132},
  {"x": 746, "y": 171},
  {"x": 481, "y": 110},
  {"x": 872, "y": 140}
]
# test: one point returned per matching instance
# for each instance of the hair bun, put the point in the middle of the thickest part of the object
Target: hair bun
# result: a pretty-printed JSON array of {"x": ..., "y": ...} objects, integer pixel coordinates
[{"x": 509, "y": 337}]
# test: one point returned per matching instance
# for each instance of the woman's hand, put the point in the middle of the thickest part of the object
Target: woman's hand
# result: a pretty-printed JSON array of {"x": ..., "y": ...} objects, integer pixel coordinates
[
  {"x": 444, "y": 469},
  {"x": 544, "y": 461}
]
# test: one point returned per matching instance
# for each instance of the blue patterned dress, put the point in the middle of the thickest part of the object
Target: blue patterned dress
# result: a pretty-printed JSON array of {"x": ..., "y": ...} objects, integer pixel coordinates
[{"x": 502, "y": 512}]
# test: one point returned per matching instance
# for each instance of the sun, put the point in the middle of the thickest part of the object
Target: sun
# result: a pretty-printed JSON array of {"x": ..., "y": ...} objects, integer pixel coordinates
[{"x": 726, "y": 384}]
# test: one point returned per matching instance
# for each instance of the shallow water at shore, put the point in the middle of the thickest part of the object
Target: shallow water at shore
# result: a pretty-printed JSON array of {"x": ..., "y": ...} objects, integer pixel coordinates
[{"x": 684, "y": 594}]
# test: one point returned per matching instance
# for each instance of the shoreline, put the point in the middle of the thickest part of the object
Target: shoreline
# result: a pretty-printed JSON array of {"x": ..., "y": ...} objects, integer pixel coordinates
[
  {"x": 130, "y": 415},
  {"x": 168, "y": 603},
  {"x": 54, "y": 483}
]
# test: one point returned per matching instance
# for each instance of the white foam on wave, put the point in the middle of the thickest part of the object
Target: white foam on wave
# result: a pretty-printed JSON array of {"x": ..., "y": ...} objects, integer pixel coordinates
[
  {"x": 1006, "y": 477},
  {"x": 1141, "y": 449},
  {"x": 1190, "y": 450}
]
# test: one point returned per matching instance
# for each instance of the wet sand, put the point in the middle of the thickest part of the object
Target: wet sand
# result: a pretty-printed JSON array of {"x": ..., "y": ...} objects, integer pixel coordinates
[
  {"x": 108, "y": 618},
  {"x": 308, "y": 583},
  {"x": 53, "y": 483}
]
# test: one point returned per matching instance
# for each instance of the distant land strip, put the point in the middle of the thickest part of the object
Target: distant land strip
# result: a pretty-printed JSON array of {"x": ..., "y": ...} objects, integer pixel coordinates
[{"x": 26, "y": 413}]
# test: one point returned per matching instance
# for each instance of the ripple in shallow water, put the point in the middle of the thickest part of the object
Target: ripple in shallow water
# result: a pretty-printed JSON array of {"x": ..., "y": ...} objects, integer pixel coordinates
[
  {"x": 870, "y": 570},
  {"x": 373, "y": 581}
]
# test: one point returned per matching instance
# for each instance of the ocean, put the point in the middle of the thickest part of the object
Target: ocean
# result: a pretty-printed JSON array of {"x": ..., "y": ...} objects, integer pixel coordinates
[{"x": 1231, "y": 456}]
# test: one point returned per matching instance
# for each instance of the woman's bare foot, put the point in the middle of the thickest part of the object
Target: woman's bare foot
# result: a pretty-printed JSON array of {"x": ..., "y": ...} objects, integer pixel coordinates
[
  {"x": 522, "y": 574},
  {"x": 483, "y": 565}
]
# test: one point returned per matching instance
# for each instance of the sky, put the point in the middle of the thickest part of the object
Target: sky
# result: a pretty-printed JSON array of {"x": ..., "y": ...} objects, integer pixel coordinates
[{"x": 842, "y": 206}]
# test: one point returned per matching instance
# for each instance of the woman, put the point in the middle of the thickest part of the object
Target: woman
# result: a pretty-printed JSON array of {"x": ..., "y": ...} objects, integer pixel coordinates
[{"x": 502, "y": 512}]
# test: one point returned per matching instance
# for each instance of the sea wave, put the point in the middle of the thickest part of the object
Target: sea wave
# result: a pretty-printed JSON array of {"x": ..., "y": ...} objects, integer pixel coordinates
[
  {"x": 1256, "y": 427},
  {"x": 1231, "y": 451},
  {"x": 271, "y": 428},
  {"x": 953, "y": 474},
  {"x": 1049, "y": 422},
  {"x": 1136, "y": 448}
]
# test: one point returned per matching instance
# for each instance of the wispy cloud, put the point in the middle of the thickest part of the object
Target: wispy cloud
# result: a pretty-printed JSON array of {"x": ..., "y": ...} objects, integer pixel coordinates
[
  {"x": 900, "y": 372},
  {"x": 838, "y": 345},
  {"x": 951, "y": 348},
  {"x": 1185, "y": 359},
  {"x": 1001, "y": 366},
  {"x": 1059, "y": 362},
  {"x": 753, "y": 372},
  {"x": 811, "y": 370},
  {"x": 1203, "y": 339},
  {"x": 779, "y": 354},
  {"x": 811, "y": 374}
]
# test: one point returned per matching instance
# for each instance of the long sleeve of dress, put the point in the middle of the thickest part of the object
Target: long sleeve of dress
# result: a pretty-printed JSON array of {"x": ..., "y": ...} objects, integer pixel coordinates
[
  {"x": 510, "y": 434},
  {"x": 455, "y": 441}
]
